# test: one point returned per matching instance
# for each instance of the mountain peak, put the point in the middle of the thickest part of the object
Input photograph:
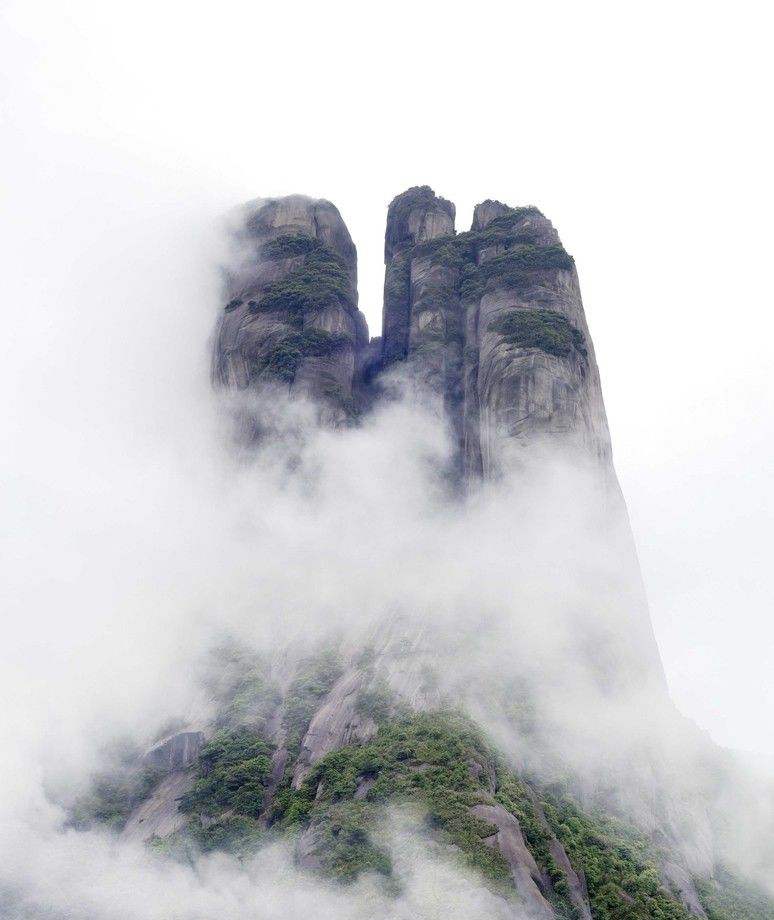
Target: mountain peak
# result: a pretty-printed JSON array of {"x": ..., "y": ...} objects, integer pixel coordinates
[{"x": 416, "y": 215}]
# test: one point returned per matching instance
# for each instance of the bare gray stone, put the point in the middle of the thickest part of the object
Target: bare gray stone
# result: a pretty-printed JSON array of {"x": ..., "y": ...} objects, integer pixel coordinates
[
  {"x": 159, "y": 815},
  {"x": 248, "y": 342},
  {"x": 509, "y": 840},
  {"x": 176, "y": 752},
  {"x": 336, "y": 723}
]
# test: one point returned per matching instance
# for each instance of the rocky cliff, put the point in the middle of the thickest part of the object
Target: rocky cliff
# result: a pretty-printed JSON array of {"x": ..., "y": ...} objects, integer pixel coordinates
[
  {"x": 486, "y": 329},
  {"x": 290, "y": 312},
  {"x": 491, "y": 321},
  {"x": 488, "y": 325}
]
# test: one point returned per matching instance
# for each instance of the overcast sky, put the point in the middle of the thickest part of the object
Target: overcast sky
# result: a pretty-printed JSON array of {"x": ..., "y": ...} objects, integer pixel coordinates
[{"x": 641, "y": 130}]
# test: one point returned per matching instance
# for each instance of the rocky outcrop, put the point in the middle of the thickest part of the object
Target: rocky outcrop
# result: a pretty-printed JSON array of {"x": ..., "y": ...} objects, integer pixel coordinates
[
  {"x": 369, "y": 691},
  {"x": 171, "y": 759},
  {"x": 159, "y": 815},
  {"x": 491, "y": 324},
  {"x": 289, "y": 317},
  {"x": 577, "y": 892},
  {"x": 681, "y": 882},
  {"x": 335, "y": 724},
  {"x": 418, "y": 214},
  {"x": 509, "y": 840},
  {"x": 486, "y": 327},
  {"x": 414, "y": 217},
  {"x": 175, "y": 752}
]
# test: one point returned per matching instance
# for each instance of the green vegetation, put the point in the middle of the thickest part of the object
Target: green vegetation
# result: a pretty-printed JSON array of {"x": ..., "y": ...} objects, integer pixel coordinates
[
  {"x": 418, "y": 196},
  {"x": 520, "y": 261},
  {"x": 238, "y": 679},
  {"x": 343, "y": 842},
  {"x": 437, "y": 297},
  {"x": 397, "y": 298},
  {"x": 512, "y": 794},
  {"x": 544, "y": 329},
  {"x": 463, "y": 249},
  {"x": 237, "y": 834},
  {"x": 515, "y": 269},
  {"x": 234, "y": 767},
  {"x": 728, "y": 897},
  {"x": 506, "y": 222},
  {"x": 233, "y": 304},
  {"x": 618, "y": 864},
  {"x": 116, "y": 790},
  {"x": 283, "y": 360},
  {"x": 422, "y": 758},
  {"x": 376, "y": 702},
  {"x": 442, "y": 763},
  {"x": 397, "y": 281},
  {"x": 321, "y": 281},
  {"x": 290, "y": 245},
  {"x": 439, "y": 763},
  {"x": 314, "y": 680}
]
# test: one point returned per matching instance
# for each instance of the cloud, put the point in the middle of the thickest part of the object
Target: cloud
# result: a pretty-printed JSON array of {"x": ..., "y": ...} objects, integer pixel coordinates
[{"x": 134, "y": 535}]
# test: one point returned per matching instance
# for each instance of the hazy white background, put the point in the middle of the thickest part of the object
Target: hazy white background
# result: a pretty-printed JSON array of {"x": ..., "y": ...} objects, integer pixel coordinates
[{"x": 641, "y": 130}]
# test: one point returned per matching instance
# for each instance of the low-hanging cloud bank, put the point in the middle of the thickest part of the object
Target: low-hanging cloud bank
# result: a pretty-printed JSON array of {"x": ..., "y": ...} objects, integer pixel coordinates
[{"x": 87, "y": 877}]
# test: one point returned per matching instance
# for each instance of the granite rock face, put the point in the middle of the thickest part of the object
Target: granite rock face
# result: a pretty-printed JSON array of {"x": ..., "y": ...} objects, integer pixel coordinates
[
  {"x": 491, "y": 322},
  {"x": 176, "y": 752},
  {"x": 289, "y": 317},
  {"x": 487, "y": 327},
  {"x": 509, "y": 840}
]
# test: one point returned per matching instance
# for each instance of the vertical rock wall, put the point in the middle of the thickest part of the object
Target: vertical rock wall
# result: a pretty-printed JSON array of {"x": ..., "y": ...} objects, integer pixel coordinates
[
  {"x": 492, "y": 322},
  {"x": 487, "y": 326},
  {"x": 289, "y": 316}
]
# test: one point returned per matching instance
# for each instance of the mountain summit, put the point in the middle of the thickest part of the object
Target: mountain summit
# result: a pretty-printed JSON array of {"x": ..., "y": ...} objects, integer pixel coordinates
[{"x": 488, "y": 324}]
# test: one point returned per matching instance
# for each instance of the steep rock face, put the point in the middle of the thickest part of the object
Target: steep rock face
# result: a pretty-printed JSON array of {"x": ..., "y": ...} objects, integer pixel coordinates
[
  {"x": 159, "y": 815},
  {"x": 418, "y": 214},
  {"x": 489, "y": 330},
  {"x": 290, "y": 314},
  {"x": 413, "y": 217},
  {"x": 487, "y": 326},
  {"x": 491, "y": 323},
  {"x": 335, "y": 724},
  {"x": 176, "y": 752},
  {"x": 537, "y": 377},
  {"x": 509, "y": 840}
]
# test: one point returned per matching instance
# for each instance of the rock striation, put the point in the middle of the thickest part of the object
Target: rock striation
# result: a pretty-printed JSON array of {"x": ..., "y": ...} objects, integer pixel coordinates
[
  {"x": 492, "y": 322},
  {"x": 487, "y": 326},
  {"x": 289, "y": 315}
]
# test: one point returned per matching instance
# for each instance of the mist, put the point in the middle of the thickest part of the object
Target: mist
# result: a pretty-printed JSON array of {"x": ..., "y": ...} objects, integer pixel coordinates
[
  {"x": 657, "y": 178},
  {"x": 136, "y": 536},
  {"x": 144, "y": 535}
]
